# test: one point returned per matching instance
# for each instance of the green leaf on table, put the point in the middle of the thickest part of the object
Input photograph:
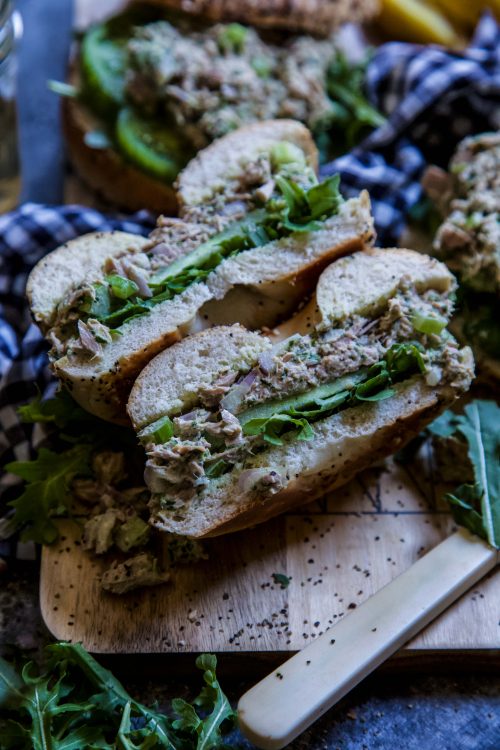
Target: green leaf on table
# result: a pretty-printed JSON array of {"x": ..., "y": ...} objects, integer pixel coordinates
[
  {"x": 47, "y": 491},
  {"x": 212, "y": 701},
  {"x": 76, "y": 704},
  {"x": 477, "y": 506},
  {"x": 282, "y": 579},
  {"x": 61, "y": 409}
]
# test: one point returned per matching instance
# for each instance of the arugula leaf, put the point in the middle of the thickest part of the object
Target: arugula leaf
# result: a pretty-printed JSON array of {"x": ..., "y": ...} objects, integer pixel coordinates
[
  {"x": 75, "y": 704},
  {"x": 211, "y": 699},
  {"x": 10, "y": 685},
  {"x": 351, "y": 116},
  {"x": 477, "y": 505},
  {"x": 275, "y": 425},
  {"x": 46, "y": 494},
  {"x": 61, "y": 410},
  {"x": 49, "y": 475},
  {"x": 300, "y": 210},
  {"x": 51, "y": 720},
  {"x": 217, "y": 469},
  {"x": 481, "y": 313}
]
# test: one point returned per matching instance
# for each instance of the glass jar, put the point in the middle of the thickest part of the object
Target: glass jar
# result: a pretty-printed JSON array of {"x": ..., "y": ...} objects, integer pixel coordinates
[{"x": 10, "y": 180}]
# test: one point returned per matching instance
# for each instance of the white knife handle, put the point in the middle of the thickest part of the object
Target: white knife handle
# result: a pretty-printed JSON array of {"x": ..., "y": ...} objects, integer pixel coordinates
[{"x": 286, "y": 702}]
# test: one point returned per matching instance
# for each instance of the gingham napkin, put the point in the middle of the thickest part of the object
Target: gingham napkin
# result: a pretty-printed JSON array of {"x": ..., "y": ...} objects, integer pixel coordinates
[{"x": 432, "y": 99}]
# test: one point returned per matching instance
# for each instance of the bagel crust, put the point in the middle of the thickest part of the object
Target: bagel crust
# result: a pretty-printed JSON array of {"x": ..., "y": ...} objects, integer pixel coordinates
[
  {"x": 105, "y": 170},
  {"x": 318, "y": 17}
]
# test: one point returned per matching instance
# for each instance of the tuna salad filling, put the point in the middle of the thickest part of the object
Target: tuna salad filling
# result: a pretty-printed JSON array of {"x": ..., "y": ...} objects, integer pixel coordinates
[
  {"x": 211, "y": 82},
  {"x": 293, "y": 385},
  {"x": 279, "y": 196},
  {"x": 469, "y": 238},
  {"x": 469, "y": 198}
]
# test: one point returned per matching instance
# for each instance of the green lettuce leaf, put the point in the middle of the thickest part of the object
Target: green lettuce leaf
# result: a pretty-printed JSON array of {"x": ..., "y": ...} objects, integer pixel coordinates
[
  {"x": 47, "y": 491},
  {"x": 295, "y": 414},
  {"x": 61, "y": 410}
]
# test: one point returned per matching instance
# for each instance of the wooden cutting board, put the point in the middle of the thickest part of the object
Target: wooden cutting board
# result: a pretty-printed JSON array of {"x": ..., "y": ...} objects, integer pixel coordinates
[{"x": 336, "y": 552}]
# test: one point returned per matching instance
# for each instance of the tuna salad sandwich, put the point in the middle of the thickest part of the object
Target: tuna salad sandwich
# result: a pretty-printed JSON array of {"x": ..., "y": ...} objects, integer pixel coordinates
[
  {"x": 468, "y": 241},
  {"x": 152, "y": 86},
  {"x": 247, "y": 426},
  {"x": 256, "y": 230}
]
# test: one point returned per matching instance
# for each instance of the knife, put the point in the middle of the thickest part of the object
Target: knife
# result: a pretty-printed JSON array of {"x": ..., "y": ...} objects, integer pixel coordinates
[{"x": 286, "y": 702}]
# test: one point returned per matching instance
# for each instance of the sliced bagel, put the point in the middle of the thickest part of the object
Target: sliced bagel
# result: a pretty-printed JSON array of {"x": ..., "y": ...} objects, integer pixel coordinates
[
  {"x": 217, "y": 168},
  {"x": 194, "y": 364},
  {"x": 362, "y": 284},
  {"x": 282, "y": 273},
  {"x": 319, "y": 17},
  {"x": 344, "y": 445},
  {"x": 73, "y": 264},
  {"x": 209, "y": 475},
  {"x": 256, "y": 286}
]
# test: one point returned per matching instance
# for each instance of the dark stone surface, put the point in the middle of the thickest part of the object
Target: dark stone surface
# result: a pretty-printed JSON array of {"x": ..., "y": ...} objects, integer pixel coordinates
[{"x": 414, "y": 711}]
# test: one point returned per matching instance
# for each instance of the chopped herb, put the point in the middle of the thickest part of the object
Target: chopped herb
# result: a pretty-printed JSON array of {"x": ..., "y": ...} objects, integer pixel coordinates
[
  {"x": 121, "y": 287},
  {"x": 282, "y": 579},
  {"x": 217, "y": 469},
  {"x": 158, "y": 432},
  {"x": 428, "y": 323},
  {"x": 63, "y": 89},
  {"x": 232, "y": 38}
]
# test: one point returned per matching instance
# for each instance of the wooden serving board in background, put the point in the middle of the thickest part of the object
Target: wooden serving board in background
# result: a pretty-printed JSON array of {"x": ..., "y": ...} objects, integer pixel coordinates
[{"x": 336, "y": 553}]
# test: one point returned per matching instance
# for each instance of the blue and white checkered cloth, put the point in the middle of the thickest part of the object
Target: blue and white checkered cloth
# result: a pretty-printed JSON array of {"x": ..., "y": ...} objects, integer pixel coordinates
[{"x": 432, "y": 99}]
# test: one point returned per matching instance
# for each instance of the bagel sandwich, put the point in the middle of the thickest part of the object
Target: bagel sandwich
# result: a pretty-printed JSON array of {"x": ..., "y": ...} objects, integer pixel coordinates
[
  {"x": 152, "y": 85},
  {"x": 239, "y": 427},
  {"x": 256, "y": 230}
]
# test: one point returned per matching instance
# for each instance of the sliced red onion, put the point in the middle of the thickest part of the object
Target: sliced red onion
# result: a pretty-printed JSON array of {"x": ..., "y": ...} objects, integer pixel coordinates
[
  {"x": 87, "y": 341},
  {"x": 436, "y": 182},
  {"x": 236, "y": 394},
  {"x": 264, "y": 192},
  {"x": 266, "y": 362},
  {"x": 134, "y": 274},
  {"x": 233, "y": 208},
  {"x": 250, "y": 477}
]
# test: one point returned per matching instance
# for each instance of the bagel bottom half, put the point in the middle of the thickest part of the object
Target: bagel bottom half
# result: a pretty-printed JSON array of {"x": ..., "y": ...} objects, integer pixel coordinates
[{"x": 343, "y": 445}]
